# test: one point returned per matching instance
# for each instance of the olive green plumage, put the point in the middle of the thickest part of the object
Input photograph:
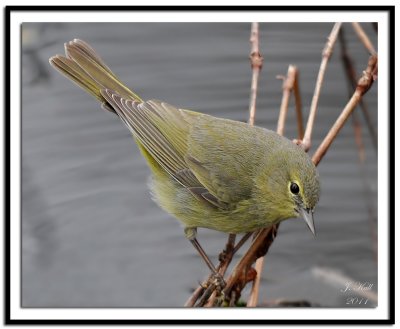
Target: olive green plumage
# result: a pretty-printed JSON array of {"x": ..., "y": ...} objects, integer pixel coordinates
[{"x": 207, "y": 172}]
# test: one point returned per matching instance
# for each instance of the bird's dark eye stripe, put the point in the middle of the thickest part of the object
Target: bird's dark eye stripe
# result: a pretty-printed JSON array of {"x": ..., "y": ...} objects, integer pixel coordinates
[{"x": 294, "y": 188}]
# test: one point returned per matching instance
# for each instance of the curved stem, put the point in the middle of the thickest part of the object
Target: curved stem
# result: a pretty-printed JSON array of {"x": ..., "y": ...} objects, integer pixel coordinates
[{"x": 326, "y": 54}]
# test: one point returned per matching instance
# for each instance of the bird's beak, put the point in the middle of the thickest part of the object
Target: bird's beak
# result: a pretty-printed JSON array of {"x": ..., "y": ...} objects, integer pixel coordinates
[{"x": 307, "y": 215}]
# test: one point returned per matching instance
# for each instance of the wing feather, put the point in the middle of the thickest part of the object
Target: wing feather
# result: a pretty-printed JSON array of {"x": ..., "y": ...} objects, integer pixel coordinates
[
  {"x": 143, "y": 120},
  {"x": 181, "y": 142}
]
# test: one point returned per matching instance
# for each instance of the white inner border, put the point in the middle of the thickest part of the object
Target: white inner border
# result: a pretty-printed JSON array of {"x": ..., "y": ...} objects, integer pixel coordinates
[{"x": 17, "y": 18}]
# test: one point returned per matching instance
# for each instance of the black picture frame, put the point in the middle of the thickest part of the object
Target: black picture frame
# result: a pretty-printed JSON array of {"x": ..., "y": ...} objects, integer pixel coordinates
[{"x": 13, "y": 9}]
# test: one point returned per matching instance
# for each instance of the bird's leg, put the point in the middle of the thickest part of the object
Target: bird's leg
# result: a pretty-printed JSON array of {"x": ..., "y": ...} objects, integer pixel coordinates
[
  {"x": 190, "y": 233},
  {"x": 203, "y": 254}
]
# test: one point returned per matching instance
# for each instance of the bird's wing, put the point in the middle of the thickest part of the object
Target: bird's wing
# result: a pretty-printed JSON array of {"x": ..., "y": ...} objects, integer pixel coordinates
[
  {"x": 224, "y": 155},
  {"x": 172, "y": 137},
  {"x": 146, "y": 121}
]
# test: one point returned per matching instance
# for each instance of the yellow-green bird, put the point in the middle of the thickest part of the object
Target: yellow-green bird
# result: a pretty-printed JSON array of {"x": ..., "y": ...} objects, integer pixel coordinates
[{"x": 206, "y": 171}]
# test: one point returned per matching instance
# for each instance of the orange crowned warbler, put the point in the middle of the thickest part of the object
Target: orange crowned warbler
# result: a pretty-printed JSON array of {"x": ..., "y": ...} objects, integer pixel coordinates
[{"x": 206, "y": 171}]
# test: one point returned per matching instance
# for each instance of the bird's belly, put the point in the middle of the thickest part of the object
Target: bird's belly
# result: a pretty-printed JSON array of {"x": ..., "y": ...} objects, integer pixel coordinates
[{"x": 180, "y": 203}]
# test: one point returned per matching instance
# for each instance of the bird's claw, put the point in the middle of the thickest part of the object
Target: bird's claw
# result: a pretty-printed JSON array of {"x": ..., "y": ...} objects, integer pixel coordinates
[{"x": 218, "y": 281}]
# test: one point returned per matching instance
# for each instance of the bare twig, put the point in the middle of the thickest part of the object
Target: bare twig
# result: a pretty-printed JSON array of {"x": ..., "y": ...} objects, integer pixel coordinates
[
  {"x": 363, "y": 85},
  {"x": 253, "y": 298},
  {"x": 289, "y": 84},
  {"x": 194, "y": 296},
  {"x": 365, "y": 178},
  {"x": 326, "y": 54},
  {"x": 242, "y": 272},
  {"x": 351, "y": 76},
  {"x": 233, "y": 299},
  {"x": 256, "y": 65},
  {"x": 297, "y": 98},
  {"x": 229, "y": 249},
  {"x": 364, "y": 38},
  {"x": 225, "y": 259},
  {"x": 287, "y": 87},
  {"x": 358, "y": 137},
  {"x": 242, "y": 241},
  {"x": 258, "y": 248},
  {"x": 266, "y": 236},
  {"x": 204, "y": 297},
  {"x": 222, "y": 267}
]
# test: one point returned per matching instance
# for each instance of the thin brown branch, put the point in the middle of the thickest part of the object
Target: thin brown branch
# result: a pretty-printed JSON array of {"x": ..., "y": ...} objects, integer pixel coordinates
[
  {"x": 287, "y": 88},
  {"x": 225, "y": 259},
  {"x": 351, "y": 77},
  {"x": 326, "y": 54},
  {"x": 204, "y": 297},
  {"x": 370, "y": 125},
  {"x": 242, "y": 272},
  {"x": 363, "y": 85},
  {"x": 369, "y": 196},
  {"x": 212, "y": 300},
  {"x": 364, "y": 38},
  {"x": 222, "y": 267},
  {"x": 255, "y": 289},
  {"x": 233, "y": 299},
  {"x": 298, "y": 105},
  {"x": 194, "y": 296},
  {"x": 266, "y": 236},
  {"x": 258, "y": 248},
  {"x": 365, "y": 178},
  {"x": 242, "y": 242},
  {"x": 256, "y": 64},
  {"x": 358, "y": 137},
  {"x": 227, "y": 254}
]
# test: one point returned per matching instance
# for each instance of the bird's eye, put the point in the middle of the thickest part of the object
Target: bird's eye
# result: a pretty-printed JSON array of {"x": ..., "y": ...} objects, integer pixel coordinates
[{"x": 294, "y": 188}]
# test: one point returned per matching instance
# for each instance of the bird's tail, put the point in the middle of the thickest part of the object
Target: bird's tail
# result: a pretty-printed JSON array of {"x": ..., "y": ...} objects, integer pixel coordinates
[{"x": 83, "y": 65}]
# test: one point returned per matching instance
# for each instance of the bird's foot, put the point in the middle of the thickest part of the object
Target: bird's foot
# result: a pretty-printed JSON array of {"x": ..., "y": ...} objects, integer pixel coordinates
[{"x": 218, "y": 281}]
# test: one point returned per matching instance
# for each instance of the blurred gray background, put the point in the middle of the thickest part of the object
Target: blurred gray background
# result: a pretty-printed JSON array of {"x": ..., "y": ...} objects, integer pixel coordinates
[{"x": 92, "y": 236}]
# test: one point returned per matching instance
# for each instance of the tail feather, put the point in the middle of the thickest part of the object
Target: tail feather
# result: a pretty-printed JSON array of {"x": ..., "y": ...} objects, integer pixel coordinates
[
  {"x": 83, "y": 66},
  {"x": 78, "y": 75},
  {"x": 90, "y": 52}
]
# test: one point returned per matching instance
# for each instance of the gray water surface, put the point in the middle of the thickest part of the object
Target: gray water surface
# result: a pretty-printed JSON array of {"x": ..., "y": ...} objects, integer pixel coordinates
[{"x": 92, "y": 236}]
